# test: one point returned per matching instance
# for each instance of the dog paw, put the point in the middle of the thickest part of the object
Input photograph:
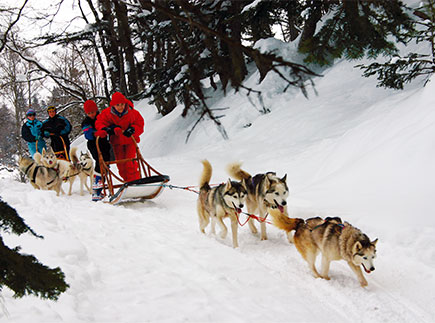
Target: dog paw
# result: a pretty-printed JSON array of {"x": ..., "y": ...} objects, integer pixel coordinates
[
  {"x": 363, "y": 283},
  {"x": 326, "y": 277}
]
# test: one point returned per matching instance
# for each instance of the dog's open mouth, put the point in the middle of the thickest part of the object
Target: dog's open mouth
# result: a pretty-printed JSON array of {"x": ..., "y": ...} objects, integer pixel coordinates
[
  {"x": 279, "y": 207},
  {"x": 367, "y": 271}
]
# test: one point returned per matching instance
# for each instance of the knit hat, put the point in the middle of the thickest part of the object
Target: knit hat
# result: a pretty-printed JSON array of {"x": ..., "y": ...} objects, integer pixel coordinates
[
  {"x": 90, "y": 106},
  {"x": 118, "y": 98},
  {"x": 30, "y": 111}
]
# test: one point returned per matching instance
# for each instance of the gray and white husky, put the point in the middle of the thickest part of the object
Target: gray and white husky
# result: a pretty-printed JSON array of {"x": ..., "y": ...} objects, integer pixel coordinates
[
  {"x": 217, "y": 203},
  {"x": 85, "y": 168},
  {"x": 333, "y": 239},
  {"x": 39, "y": 176},
  {"x": 67, "y": 171},
  {"x": 265, "y": 192}
]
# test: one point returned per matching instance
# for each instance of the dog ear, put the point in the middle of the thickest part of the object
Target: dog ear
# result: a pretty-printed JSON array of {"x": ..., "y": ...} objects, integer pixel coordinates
[
  {"x": 228, "y": 184},
  {"x": 43, "y": 150},
  {"x": 284, "y": 179},
  {"x": 374, "y": 242},
  {"x": 267, "y": 182},
  {"x": 356, "y": 247}
]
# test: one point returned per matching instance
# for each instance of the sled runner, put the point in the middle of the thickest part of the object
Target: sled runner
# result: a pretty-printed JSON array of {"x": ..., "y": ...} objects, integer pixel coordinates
[{"x": 149, "y": 186}]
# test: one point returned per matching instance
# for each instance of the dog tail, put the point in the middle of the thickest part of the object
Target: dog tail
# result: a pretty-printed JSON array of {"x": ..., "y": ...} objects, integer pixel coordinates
[
  {"x": 206, "y": 174},
  {"x": 283, "y": 222},
  {"x": 37, "y": 157},
  {"x": 236, "y": 172},
  {"x": 73, "y": 156}
]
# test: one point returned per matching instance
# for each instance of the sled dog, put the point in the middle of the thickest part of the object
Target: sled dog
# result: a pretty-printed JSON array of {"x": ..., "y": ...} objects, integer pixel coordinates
[
  {"x": 85, "y": 168},
  {"x": 39, "y": 176},
  {"x": 67, "y": 170},
  {"x": 265, "y": 192},
  {"x": 217, "y": 203},
  {"x": 333, "y": 239}
]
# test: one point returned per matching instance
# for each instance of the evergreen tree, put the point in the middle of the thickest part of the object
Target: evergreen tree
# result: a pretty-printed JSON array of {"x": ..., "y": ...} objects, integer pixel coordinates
[
  {"x": 401, "y": 70},
  {"x": 22, "y": 273},
  {"x": 357, "y": 29}
]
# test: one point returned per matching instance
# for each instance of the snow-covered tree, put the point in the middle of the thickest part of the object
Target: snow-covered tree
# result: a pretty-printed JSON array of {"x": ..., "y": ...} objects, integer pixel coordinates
[{"x": 400, "y": 70}]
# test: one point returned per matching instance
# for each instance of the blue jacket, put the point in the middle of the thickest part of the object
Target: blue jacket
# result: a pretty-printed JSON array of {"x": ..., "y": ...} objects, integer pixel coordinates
[{"x": 31, "y": 132}]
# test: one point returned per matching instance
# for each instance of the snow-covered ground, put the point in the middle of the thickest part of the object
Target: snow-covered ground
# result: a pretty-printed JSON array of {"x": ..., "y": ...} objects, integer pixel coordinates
[{"x": 360, "y": 152}]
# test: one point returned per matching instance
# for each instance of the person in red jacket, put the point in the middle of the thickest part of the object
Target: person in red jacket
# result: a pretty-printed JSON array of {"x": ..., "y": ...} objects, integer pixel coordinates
[{"x": 121, "y": 122}]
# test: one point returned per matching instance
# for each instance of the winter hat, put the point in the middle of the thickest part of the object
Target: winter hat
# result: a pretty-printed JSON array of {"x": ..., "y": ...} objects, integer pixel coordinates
[
  {"x": 30, "y": 111},
  {"x": 90, "y": 106},
  {"x": 118, "y": 98}
]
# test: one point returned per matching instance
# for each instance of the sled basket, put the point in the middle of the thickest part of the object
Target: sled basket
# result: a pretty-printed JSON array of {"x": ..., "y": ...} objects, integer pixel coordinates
[
  {"x": 62, "y": 154},
  {"x": 149, "y": 186},
  {"x": 144, "y": 188}
]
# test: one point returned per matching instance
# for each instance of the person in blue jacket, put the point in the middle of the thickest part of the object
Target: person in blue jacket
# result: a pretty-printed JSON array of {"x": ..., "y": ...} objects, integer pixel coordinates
[
  {"x": 31, "y": 132},
  {"x": 56, "y": 127},
  {"x": 88, "y": 127}
]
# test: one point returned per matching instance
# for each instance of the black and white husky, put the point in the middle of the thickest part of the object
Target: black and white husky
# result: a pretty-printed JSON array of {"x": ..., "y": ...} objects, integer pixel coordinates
[
  {"x": 217, "y": 203},
  {"x": 265, "y": 192}
]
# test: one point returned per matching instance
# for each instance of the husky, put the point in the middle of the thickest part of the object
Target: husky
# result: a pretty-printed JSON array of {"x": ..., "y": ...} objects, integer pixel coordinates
[
  {"x": 265, "y": 192},
  {"x": 67, "y": 171},
  {"x": 334, "y": 239},
  {"x": 217, "y": 203},
  {"x": 85, "y": 168},
  {"x": 40, "y": 177}
]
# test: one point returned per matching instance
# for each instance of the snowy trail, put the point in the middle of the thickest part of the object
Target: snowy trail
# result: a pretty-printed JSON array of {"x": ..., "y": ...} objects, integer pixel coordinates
[{"x": 147, "y": 261}]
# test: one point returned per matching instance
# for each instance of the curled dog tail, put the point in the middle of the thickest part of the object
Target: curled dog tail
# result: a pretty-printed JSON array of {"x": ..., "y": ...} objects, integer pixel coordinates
[
  {"x": 37, "y": 157},
  {"x": 206, "y": 174},
  {"x": 283, "y": 222},
  {"x": 236, "y": 172},
  {"x": 73, "y": 156}
]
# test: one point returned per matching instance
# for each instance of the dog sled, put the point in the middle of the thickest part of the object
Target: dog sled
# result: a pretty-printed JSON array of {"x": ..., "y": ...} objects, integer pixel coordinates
[{"x": 148, "y": 186}]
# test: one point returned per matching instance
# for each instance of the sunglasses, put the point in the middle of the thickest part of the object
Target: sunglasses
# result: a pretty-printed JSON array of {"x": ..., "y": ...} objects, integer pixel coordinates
[{"x": 31, "y": 115}]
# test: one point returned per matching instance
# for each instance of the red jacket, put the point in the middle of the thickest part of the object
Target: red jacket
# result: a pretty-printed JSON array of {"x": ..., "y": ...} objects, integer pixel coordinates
[{"x": 130, "y": 118}]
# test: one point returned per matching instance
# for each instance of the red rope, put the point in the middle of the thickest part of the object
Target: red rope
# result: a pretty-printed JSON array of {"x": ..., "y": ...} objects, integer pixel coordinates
[{"x": 259, "y": 219}]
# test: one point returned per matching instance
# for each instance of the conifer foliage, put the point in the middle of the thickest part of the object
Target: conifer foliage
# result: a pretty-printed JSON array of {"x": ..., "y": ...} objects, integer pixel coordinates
[
  {"x": 403, "y": 69},
  {"x": 22, "y": 273}
]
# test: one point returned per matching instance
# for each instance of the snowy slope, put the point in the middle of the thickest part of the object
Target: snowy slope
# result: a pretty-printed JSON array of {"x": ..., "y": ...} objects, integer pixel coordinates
[{"x": 354, "y": 150}]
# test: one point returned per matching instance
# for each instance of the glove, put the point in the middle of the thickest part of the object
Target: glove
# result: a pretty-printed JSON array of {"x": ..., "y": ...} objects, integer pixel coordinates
[
  {"x": 118, "y": 131},
  {"x": 129, "y": 131},
  {"x": 111, "y": 129},
  {"x": 46, "y": 134},
  {"x": 100, "y": 133}
]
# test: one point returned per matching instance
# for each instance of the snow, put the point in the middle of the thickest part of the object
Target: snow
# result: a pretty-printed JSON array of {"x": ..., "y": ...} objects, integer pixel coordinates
[{"x": 356, "y": 151}]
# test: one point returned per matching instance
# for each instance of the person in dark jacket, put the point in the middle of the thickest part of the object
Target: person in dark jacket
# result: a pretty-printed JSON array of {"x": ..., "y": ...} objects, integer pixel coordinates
[
  {"x": 88, "y": 127},
  {"x": 57, "y": 128},
  {"x": 31, "y": 132}
]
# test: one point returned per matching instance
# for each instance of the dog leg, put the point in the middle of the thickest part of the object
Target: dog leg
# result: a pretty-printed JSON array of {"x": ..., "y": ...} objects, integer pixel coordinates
[
  {"x": 36, "y": 187},
  {"x": 70, "y": 187},
  {"x": 202, "y": 217},
  {"x": 309, "y": 253},
  {"x": 223, "y": 227},
  {"x": 325, "y": 267},
  {"x": 252, "y": 226},
  {"x": 234, "y": 227},
  {"x": 86, "y": 185},
  {"x": 263, "y": 235},
  {"x": 359, "y": 274}
]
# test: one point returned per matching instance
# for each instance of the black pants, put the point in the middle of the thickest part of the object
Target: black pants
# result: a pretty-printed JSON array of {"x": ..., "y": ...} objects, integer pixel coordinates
[{"x": 105, "y": 148}]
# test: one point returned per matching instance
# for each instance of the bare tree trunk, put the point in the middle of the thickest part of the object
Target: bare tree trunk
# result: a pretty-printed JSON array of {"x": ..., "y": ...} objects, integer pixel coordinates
[
  {"x": 124, "y": 34},
  {"x": 111, "y": 41}
]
